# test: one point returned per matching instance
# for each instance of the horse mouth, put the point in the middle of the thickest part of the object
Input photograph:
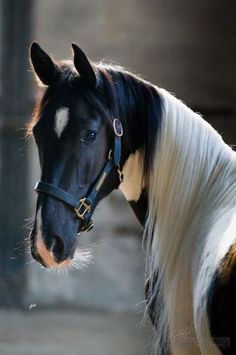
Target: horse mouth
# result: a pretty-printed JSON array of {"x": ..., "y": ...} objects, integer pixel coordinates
[
  {"x": 82, "y": 257},
  {"x": 37, "y": 257},
  {"x": 45, "y": 256},
  {"x": 48, "y": 260}
]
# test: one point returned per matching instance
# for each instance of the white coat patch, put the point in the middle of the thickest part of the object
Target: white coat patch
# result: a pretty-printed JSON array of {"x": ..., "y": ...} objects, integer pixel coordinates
[
  {"x": 133, "y": 182},
  {"x": 61, "y": 120}
]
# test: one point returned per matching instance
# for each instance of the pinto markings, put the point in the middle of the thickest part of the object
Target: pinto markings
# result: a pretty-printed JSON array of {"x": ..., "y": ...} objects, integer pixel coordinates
[{"x": 133, "y": 184}]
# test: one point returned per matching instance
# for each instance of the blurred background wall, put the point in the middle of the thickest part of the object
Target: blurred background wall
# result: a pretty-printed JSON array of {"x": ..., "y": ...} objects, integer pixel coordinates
[{"x": 187, "y": 47}]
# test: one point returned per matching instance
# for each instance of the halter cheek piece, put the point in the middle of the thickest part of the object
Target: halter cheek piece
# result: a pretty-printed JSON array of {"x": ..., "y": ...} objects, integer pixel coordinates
[{"x": 85, "y": 206}]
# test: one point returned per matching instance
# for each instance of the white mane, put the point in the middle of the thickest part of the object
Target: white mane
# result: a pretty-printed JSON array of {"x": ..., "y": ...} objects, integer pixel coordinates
[{"x": 190, "y": 225}]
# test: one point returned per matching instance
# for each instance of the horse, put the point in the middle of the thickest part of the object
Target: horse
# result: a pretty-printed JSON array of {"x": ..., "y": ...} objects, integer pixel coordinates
[{"x": 98, "y": 127}]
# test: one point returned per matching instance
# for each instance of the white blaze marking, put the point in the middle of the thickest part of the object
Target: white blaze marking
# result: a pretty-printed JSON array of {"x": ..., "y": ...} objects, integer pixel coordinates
[
  {"x": 61, "y": 120},
  {"x": 133, "y": 182}
]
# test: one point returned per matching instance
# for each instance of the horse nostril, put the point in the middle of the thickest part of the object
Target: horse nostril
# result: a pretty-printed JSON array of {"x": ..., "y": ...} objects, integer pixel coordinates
[{"x": 58, "y": 248}]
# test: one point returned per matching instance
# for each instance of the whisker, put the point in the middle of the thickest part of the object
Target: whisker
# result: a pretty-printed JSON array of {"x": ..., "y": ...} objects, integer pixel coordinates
[
  {"x": 30, "y": 262},
  {"x": 82, "y": 259}
]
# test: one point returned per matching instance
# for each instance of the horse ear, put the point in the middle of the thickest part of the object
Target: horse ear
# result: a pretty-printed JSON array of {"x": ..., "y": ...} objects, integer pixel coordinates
[
  {"x": 43, "y": 65},
  {"x": 83, "y": 66}
]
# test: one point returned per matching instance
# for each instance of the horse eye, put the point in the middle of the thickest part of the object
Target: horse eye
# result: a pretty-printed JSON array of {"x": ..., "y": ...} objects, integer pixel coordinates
[{"x": 88, "y": 136}]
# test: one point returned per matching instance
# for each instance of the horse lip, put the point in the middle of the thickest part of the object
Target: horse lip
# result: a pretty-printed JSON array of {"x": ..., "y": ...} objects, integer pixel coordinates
[
  {"x": 57, "y": 261},
  {"x": 38, "y": 257}
]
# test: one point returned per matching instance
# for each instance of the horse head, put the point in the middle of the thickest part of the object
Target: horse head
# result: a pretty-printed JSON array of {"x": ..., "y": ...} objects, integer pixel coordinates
[{"x": 79, "y": 147}]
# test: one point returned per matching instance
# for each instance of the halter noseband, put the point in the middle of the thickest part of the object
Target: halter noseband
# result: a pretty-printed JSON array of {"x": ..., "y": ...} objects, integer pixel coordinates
[{"x": 84, "y": 207}]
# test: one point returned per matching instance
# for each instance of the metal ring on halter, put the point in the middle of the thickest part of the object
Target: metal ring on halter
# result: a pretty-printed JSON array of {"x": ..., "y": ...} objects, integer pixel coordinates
[{"x": 117, "y": 126}]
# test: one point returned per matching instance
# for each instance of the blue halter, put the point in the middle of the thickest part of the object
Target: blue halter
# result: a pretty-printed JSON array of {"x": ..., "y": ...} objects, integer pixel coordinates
[{"x": 84, "y": 207}]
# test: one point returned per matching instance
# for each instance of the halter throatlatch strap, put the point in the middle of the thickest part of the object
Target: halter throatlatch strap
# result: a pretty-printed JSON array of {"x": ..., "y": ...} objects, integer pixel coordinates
[{"x": 84, "y": 207}]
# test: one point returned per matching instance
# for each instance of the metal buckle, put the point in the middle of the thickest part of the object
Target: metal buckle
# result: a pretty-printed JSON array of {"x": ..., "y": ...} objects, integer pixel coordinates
[
  {"x": 83, "y": 208},
  {"x": 117, "y": 126}
]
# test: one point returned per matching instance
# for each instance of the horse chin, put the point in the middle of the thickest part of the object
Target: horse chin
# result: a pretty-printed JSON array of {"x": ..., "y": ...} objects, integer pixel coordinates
[{"x": 50, "y": 263}]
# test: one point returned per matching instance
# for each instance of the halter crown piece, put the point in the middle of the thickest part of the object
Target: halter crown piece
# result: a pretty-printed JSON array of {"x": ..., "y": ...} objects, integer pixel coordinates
[{"x": 84, "y": 207}]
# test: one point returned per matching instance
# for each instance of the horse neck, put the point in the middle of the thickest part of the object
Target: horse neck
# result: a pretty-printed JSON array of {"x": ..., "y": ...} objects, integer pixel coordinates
[
  {"x": 188, "y": 171},
  {"x": 191, "y": 202},
  {"x": 141, "y": 116},
  {"x": 192, "y": 182}
]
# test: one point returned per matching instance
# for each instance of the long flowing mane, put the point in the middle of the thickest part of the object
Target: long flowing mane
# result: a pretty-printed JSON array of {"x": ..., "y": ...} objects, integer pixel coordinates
[
  {"x": 192, "y": 198},
  {"x": 190, "y": 177}
]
